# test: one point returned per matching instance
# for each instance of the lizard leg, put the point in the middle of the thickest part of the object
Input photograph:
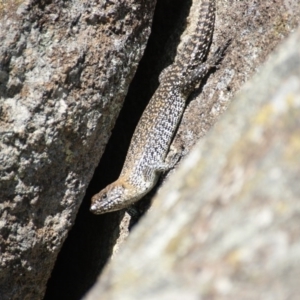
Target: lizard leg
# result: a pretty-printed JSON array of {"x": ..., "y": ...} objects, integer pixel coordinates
[
  {"x": 196, "y": 75},
  {"x": 169, "y": 163},
  {"x": 172, "y": 158},
  {"x": 149, "y": 171},
  {"x": 158, "y": 168}
]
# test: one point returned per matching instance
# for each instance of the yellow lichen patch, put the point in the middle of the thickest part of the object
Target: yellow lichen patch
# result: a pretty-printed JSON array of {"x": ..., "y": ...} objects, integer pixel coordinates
[
  {"x": 175, "y": 247},
  {"x": 280, "y": 24},
  {"x": 290, "y": 99},
  {"x": 264, "y": 115},
  {"x": 9, "y": 6},
  {"x": 281, "y": 207},
  {"x": 292, "y": 152},
  {"x": 234, "y": 258}
]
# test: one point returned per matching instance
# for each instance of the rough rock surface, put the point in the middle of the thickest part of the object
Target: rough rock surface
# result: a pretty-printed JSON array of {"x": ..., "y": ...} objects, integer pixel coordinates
[
  {"x": 226, "y": 224},
  {"x": 65, "y": 67},
  {"x": 64, "y": 71},
  {"x": 256, "y": 27}
]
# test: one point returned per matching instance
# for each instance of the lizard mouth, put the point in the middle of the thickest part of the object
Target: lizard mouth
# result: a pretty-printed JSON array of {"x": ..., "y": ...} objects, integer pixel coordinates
[
  {"x": 98, "y": 208},
  {"x": 102, "y": 207},
  {"x": 93, "y": 208}
]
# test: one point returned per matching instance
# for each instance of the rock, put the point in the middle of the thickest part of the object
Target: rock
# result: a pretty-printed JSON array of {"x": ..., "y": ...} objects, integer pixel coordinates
[
  {"x": 226, "y": 224},
  {"x": 65, "y": 68},
  {"x": 256, "y": 28}
]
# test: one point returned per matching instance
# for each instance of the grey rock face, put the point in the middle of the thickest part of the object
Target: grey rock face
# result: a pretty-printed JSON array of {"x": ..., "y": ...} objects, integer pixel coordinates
[
  {"x": 65, "y": 68},
  {"x": 226, "y": 225},
  {"x": 255, "y": 27}
]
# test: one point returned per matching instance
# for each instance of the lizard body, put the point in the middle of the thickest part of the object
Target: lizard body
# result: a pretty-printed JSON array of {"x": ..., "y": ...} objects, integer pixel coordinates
[{"x": 149, "y": 146}]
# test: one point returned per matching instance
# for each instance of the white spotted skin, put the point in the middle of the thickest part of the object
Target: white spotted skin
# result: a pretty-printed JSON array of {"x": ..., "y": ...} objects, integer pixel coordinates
[{"x": 153, "y": 135}]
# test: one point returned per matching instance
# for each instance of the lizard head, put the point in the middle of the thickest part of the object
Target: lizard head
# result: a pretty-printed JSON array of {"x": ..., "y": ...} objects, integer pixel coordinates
[{"x": 112, "y": 198}]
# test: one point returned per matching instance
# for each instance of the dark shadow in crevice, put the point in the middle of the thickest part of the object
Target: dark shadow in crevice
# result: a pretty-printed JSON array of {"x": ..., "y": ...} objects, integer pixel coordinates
[{"x": 89, "y": 243}]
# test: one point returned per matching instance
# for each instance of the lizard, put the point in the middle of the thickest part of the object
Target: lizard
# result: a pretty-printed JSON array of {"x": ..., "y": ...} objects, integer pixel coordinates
[{"x": 149, "y": 154}]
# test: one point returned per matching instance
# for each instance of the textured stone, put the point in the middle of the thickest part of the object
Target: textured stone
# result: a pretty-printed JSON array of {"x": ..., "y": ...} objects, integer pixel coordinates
[
  {"x": 65, "y": 68},
  {"x": 226, "y": 224},
  {"x": 255, "y": 27}
]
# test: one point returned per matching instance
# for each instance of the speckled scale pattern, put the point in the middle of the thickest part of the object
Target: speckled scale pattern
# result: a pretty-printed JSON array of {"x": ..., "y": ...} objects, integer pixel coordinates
[
  {"x": 196, "y": 47},
  {"x": 152, "y": 137},
  {"x": 154, "y": 132}
]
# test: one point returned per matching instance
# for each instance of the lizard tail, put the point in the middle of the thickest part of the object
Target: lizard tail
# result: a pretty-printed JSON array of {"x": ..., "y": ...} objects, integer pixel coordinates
[{"x": 197, "y": 37}]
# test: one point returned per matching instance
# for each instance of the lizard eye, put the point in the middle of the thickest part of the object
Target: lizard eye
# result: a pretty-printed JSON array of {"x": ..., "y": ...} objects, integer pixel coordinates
[{"x": 104, "y": 197}]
